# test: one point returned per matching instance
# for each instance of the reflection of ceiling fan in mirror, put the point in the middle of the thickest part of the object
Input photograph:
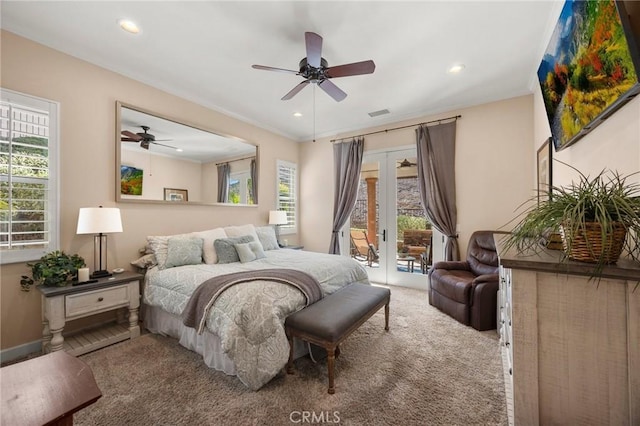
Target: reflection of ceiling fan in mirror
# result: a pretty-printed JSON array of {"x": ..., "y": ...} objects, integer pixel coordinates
[
  {"x": 144, "y": 138},
  {"x": 405, "y": 163}
]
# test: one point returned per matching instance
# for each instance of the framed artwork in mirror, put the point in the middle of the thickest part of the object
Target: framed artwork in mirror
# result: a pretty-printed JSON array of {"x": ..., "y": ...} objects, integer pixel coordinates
[
  {"x": 544, "y": 172},
  {"x": 176, "y": 195}
]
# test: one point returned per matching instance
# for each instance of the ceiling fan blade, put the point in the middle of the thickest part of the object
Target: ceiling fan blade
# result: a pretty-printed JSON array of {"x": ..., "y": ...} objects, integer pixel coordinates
[
  {"x": 295, "y": 90},
  {"x": 129, "y": 140},
  {"x": 314, "y": 49},
  {"x": 131, "y": 135},
  {"x": 356, "y": 68},
  {"x": 332, "y": 90},
  {"x": 161, "y": 144},
  {"x": 266, "y": 68}
]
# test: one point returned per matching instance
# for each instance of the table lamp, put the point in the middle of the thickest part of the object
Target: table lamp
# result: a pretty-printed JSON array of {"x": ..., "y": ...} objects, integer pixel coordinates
[
  {"x": 277, "y": 218},
  {"x": 99, "y": 221}
]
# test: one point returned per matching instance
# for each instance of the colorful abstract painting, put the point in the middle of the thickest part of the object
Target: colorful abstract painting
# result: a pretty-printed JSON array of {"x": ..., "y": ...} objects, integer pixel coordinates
[
  {"x": 587, "y": 69},
  {"x": 130, "y": 180}
]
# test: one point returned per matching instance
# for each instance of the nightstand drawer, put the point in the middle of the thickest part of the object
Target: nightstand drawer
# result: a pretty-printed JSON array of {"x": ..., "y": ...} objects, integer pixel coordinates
[{"x": 96, "y": 301}]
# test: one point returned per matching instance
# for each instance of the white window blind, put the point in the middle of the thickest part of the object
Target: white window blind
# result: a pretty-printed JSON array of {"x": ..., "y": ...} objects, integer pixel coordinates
[
  {"x": 287, "y": 194},
  {"x": 28, "y": 172}
]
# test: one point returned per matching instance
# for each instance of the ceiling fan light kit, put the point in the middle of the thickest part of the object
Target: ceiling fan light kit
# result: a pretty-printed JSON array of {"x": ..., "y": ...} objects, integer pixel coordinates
[{"x": 316, "y": 70}]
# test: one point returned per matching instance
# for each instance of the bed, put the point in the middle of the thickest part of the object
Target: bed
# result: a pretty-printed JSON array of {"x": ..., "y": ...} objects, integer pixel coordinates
[{"x": 244, "y": 333}]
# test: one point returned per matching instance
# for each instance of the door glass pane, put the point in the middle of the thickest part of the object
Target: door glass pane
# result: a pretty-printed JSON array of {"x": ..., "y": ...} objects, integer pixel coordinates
[
  {"x": 413, "y": 233},
  {"x": 364, "y": 239}
]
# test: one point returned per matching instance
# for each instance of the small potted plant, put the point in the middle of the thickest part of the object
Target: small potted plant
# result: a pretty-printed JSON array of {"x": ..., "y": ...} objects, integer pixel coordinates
[
  {"x": 597, "y": 218},
  {"x": 53, "y": 269}
]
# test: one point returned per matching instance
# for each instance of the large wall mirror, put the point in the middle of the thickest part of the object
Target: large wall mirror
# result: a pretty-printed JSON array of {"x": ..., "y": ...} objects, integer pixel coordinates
[{"x": 162, "y": 160}]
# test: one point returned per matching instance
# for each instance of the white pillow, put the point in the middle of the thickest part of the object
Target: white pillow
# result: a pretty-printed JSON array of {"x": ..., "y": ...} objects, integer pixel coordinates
[
  {"x": 267, "y": 237},
  {"x": 239, "y": 231},
  {"x": 208, "y": 237}
]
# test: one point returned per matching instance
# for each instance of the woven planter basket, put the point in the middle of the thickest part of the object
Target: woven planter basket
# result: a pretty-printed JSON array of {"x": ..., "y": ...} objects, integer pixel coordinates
[{"x": 587, "y": 243}]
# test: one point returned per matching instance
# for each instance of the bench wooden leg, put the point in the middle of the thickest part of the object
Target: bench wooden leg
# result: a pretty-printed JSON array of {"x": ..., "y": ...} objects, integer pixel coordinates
[
  {"x": 331, "y": 360},
  {"x": 290, "y": 362},
  {"x": 386, "y": 316}
]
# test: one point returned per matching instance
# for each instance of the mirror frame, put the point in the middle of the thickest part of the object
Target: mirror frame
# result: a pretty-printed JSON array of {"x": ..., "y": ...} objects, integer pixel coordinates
[{"x": 120, "y": 199}]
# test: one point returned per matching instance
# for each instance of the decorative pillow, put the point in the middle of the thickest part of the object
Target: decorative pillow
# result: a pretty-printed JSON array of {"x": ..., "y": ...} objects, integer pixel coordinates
[
  {"x": 208, "y": 237},
  {"x": 248, "y": 252},
  {"x": 225, "y": 248},
  {"x": 183, "y": 251},
  {"x": 267, "y": 237},
  {"x": 146, "y": 261},
  {"x": 159, "y": 246},
  {"x": 239, "y": 231}
]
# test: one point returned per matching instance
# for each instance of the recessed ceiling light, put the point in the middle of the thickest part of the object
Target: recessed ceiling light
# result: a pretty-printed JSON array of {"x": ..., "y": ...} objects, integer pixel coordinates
[
  {"x": 178, "y": 149},
  {"x": 456, "y": 69},
  {"x": 297, "y": 114},
  {"x": 129, "y": 26}
]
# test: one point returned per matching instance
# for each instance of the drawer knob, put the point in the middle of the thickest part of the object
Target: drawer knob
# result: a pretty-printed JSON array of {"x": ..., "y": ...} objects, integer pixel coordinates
[{"x": 100, "y": 299}]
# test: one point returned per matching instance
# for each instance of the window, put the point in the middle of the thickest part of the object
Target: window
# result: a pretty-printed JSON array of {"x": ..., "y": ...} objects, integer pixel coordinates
[
  {"x": 28, "y": 177},
  {"x": 287, "y": 195},
  {"x": 240, "y": 188}
]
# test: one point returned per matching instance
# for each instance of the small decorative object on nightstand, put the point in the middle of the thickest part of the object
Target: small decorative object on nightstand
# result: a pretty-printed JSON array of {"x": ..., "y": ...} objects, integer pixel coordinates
[{"x": 62, "y": 304}]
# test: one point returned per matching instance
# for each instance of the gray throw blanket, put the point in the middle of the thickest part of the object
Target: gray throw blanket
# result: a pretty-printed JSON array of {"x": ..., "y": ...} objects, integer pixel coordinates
[{"x": 197, "y": 309}]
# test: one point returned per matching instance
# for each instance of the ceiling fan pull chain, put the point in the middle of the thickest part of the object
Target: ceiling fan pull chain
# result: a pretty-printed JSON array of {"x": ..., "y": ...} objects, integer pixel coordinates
[{"x": 314, "y": 112}]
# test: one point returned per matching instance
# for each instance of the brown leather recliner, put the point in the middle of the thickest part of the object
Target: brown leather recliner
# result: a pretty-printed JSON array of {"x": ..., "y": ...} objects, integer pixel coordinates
[{"x": 467, "y": 290}]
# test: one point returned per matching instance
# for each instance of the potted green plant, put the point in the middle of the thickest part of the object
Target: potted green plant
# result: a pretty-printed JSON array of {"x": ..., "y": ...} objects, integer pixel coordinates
[
  {"x": 53, "y": 269},
  {"x": 597, "y": 218}
]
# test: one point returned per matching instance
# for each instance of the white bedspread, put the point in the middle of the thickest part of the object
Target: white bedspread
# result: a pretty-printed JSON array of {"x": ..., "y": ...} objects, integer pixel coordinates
[{"x": 249, "y": 317}]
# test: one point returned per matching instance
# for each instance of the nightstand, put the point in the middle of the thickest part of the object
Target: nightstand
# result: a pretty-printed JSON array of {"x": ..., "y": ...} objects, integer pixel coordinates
[{"x": 62, "y": 304}]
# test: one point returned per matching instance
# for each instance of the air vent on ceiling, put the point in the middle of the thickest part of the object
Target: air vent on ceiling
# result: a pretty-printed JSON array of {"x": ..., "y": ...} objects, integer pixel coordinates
[{"x": 377, "y": 113}]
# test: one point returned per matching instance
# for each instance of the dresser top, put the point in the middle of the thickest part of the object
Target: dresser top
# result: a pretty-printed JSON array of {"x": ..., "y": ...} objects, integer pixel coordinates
[
  {"x": 102, "y": 282},
  {"x": 547, "y": 260}
]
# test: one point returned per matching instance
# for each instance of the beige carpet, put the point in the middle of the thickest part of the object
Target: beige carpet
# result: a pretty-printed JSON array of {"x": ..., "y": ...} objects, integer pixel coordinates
[{"x": 428, "y": 369}]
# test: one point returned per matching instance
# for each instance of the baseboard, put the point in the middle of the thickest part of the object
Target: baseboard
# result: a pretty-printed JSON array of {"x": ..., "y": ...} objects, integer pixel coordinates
[{"x": 20, "y": 351}]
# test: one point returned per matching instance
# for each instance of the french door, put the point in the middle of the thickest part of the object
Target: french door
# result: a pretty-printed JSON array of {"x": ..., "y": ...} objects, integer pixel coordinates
[{"x": 387, "y": 228}]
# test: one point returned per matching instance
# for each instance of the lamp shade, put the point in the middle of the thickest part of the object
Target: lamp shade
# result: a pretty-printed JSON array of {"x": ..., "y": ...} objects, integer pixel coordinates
[
  {"x": 96, "y": 220},
  {"x": 278, "y": 217}
]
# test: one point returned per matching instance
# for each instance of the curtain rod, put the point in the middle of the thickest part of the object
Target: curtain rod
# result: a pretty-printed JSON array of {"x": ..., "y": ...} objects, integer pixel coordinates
[
  {"x": 238, "y": 159},
  {"x": 455, "y": 117}
]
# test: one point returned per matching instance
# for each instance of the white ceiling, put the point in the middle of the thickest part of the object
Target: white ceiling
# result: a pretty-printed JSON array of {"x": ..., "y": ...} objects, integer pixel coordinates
[{"x": 203, "y": 51}]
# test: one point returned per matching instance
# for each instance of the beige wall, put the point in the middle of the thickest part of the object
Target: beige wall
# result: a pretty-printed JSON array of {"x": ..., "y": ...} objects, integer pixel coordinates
[
  {"x": 494, "y": 166},
  {"x": 87, "y": 95}
]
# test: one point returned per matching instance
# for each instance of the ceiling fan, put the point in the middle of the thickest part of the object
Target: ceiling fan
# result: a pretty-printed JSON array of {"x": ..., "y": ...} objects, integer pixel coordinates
[
  {"x": 405, "y": 163},
  {"x": 144, "y": 138},
  {"x": 315, "y": 69}
]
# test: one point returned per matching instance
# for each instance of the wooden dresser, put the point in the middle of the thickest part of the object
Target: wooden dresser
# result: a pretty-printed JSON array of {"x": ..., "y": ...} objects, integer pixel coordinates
[{"x": 572, "y": 345}]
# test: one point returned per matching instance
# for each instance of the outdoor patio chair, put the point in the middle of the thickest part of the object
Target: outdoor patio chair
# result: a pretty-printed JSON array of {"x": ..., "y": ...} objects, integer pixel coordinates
[{"x": 362, "y": 248}]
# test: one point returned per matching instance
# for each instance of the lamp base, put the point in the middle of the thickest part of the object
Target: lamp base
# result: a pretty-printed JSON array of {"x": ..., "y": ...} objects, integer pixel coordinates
[{"x": 101, "y": 274}]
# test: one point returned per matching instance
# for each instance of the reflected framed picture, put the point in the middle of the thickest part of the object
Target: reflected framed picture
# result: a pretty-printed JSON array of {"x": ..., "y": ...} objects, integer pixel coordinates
[
  {"x": 131, "y": 180},
  {"x": 177, "y": 195},
  {"x": 545, "y": 171}
]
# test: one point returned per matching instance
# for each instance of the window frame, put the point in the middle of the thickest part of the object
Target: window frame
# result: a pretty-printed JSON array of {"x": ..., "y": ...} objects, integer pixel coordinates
[
  {"x": 288, "y": 229},
  {"x": 23, "y": 100}
]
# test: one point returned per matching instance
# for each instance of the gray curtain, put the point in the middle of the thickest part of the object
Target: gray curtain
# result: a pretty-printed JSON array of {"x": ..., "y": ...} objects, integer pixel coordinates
[
  {"x": 347, "y": 162},
  {"x": 436, "y": 181},
  {"x": 224, "y": 171},
  {"x": 254, "y": 181}
]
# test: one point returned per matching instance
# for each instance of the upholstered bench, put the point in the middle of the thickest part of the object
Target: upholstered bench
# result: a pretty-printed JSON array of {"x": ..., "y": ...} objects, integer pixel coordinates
[{"x": 328, "y": 322}]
